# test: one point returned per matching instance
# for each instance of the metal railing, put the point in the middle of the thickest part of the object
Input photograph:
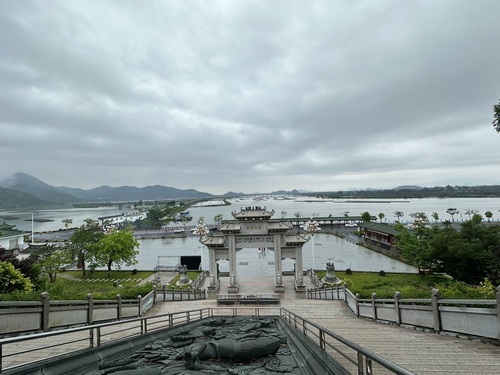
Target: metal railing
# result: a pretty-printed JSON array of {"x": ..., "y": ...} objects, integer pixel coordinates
[
  {"x": 23, "y": 350},
  {"x": 478, "y": 318},
  {"x": 363, "y": 360}
]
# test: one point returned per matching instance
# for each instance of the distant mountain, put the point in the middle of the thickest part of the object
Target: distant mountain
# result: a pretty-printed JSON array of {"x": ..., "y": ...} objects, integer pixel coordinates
[
  {"x": 408, "y": 187},
  {"x": 23, "y": 190},
  {"x": 232, "y": 194},
  {"x": 124, "y": 193},
  {"x": 10, "y": 199},
  {"x": 26, "y": 183}
]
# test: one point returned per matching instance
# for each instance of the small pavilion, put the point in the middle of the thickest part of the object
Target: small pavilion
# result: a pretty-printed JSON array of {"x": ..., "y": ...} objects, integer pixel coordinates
[{"x": 254, "y": 228}]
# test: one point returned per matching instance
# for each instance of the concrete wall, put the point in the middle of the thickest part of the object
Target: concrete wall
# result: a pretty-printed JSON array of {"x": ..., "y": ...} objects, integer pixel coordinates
[{"x": 43, "y": 315}]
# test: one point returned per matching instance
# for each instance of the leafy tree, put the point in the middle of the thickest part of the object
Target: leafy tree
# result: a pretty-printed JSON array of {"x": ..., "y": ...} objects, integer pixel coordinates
[
  {"x": 496, "y": 116},
  {"x": 53, "y": 259},
  {"x": 218, "y": 219},
  {"x": 156, "y": 217},
  {"x": 29, "y": 267},
  {"x": 452, "y": 212},
  {"x": 12, "y": 280},
  {"x": 366, "y": 217},
  {"x": 117, "y": 247},
  {"x": 414, "y": 246},
  {"x": 297, "y": 214},
  {"x": 67, "y": 222},
  {"x": 420, "y": 219},
  {"x": 283, "y": 214},
  {"x": 470, "y": 212},
  {"x": 399, "y": 214},
  {"x": 84, "y": 240},
  {"x": 489, "y": 215},
  {"x": 381, "y": 216},
  {"x": 435, "y": 216}
]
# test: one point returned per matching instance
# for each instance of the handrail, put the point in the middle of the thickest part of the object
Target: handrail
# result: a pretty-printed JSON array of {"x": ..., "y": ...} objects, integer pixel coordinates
[
  {"x": 364, "y": 357},
  {"x": 92, "y": 336}
]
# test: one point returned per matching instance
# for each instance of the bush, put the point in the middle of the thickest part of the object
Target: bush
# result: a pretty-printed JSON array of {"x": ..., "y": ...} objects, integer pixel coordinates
[
  {"x": 348, "y": 271},
  {"x": 381, "y": 273},
  {"x": 12, "y": 280}
]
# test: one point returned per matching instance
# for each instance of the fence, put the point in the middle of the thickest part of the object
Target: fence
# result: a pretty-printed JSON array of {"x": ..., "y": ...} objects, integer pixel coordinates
[
  {"x": 164, "y": 294},
  {"x": 46, "y": 314},
  {"x": 470, "y": 317},
  {"x": 44, "y": 349}
]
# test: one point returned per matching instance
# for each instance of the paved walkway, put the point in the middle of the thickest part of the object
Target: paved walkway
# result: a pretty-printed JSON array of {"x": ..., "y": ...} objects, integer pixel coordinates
[{"x": 418, "y": 351}]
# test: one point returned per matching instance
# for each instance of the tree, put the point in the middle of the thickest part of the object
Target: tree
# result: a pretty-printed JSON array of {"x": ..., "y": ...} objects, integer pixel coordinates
[
  {"x": 12, "y": 280},
  {"x": 53, "y": 259},
  {"x": 84, "y": 240},
  {"x": 496, "y": 116},
  {"x": 218, "y": 219},
  {"x": 470, "y": 212},
  {"x": 435, "y": 216},
  {"x": 399, "y": 214},
  {"x": 420, "y": 219},
  {"x": 67, "y": 222},
  {"x": 489, "y": 215},
  {"x": 381, "y": 216},
  {"x": 414, "y": 246},
  {"x": 283, "y": 214},
  {"x": 366, "y": 217},
  {"x": 117, "y": 247},
  {"x": 452, "y": 212},
  {"x": 297, "y": 214}
]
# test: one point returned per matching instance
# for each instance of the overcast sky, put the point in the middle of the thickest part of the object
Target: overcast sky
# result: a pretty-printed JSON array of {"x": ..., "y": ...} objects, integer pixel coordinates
[{"x": 250, "y": 96}]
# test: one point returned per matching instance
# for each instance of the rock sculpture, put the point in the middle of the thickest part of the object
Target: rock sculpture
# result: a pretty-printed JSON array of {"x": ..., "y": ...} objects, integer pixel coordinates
[{"x": 232, "y": 345}]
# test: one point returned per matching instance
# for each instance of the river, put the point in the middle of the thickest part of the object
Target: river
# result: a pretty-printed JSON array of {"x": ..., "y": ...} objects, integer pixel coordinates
[{"x": 326, "y": 247}]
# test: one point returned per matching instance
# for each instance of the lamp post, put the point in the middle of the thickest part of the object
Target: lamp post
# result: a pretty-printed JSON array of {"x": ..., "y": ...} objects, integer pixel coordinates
[
  {"x": 32, "y": 227},
  {"x": 312, "y": 227},
  {"x": 201, "y": 231}
]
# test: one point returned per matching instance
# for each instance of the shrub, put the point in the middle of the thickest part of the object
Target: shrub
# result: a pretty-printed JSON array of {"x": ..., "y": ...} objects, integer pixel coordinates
[
  {"x": 381, "y": 273},
  {"x": 348, "y": 271}
]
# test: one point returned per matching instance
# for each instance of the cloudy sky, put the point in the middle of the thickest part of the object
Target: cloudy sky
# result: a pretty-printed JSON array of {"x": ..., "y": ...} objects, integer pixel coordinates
[{"x": 250, "y": 95}]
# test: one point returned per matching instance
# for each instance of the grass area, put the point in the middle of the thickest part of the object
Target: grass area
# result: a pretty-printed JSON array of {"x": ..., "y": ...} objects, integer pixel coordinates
[
  {"x": 101, "y": 278},
  {"x": 71, "y": 285},
  {"x": 411, "y": 285}
]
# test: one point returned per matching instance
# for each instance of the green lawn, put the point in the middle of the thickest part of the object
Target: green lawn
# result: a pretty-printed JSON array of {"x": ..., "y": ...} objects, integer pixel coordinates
[{"x": 410, "y": 285}]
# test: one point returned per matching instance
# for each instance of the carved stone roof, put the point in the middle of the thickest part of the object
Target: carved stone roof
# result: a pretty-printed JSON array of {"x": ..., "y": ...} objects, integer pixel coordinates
[
  {"x": 253, "y": 213},
  {"x": 296, "y": 239}
]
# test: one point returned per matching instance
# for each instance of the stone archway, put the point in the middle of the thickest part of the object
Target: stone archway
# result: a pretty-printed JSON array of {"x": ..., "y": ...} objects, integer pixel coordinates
[{"x": 254, "y": 228}]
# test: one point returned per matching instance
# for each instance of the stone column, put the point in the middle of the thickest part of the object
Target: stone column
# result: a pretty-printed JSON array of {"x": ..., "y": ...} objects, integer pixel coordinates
[
  {"x": 299, "y": 270},
  {"x": 279, "y": 285},
  {"x": 233, "y": 277}
]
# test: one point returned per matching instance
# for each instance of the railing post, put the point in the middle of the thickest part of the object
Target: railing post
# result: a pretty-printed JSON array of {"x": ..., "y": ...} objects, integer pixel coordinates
[
  {"x": 356, "y": 301},
  {"x": 397, "y": 297},
  {"x": 139, "y": 299},
  {"x": 498, "y": 312},
  {"x": 44, "y": 297},
  {"x": 119, "y": 307},
  {"x": 435, "y": 296},
  {"x": 374, "y": 307},
  {"x": 90, "y": 308}
]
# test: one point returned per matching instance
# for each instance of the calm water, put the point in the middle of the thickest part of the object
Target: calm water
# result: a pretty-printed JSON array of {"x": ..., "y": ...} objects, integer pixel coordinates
[{"x": 326, "y": 248}]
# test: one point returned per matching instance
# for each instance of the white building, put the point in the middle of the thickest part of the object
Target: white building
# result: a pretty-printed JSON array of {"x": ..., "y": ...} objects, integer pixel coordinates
[{"x": 11, "y": 238}]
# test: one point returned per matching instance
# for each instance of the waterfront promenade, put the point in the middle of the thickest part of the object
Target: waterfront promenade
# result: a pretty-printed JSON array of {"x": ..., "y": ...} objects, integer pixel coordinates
[{"x": 418, "y": 351}]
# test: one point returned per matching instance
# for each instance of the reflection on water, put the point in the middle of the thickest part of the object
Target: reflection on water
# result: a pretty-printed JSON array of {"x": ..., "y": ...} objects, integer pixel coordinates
[{"x": 327, "y": 248}]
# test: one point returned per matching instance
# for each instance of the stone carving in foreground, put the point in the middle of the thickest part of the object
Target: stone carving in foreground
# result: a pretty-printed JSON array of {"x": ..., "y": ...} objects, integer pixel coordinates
[{"x": 229, "y": 345}]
